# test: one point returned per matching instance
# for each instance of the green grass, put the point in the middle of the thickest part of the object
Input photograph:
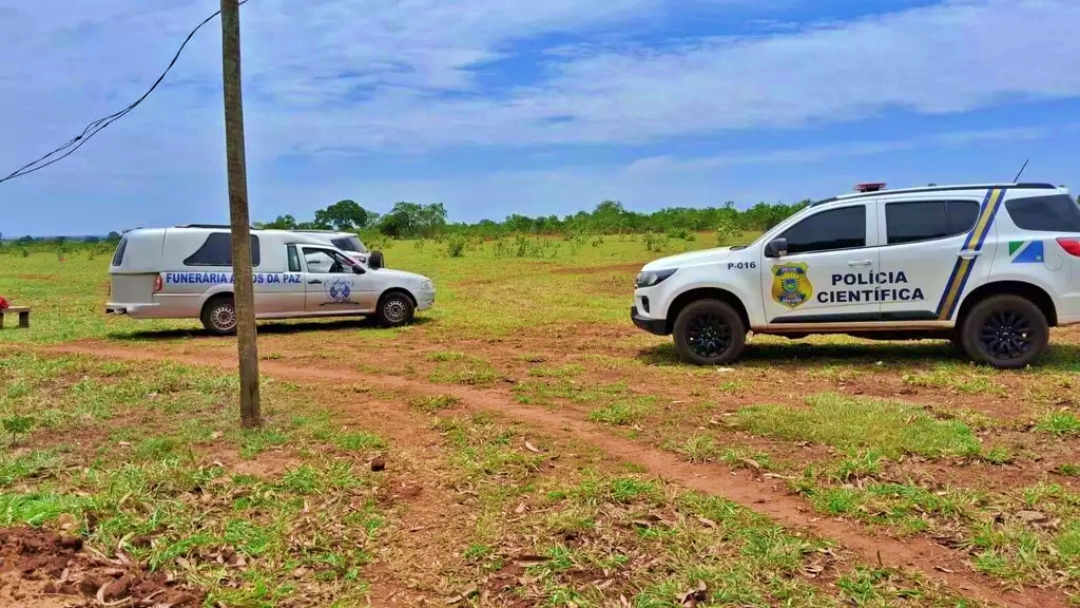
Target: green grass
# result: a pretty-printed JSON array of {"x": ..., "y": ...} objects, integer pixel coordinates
[
  {"x": 136, "y": 466},
  {"x": 623, "y": 412},
  {"x": 889, "y": 427},
  {"x": 653, "y": 541},
  {"x": 1059, "y": 423}
]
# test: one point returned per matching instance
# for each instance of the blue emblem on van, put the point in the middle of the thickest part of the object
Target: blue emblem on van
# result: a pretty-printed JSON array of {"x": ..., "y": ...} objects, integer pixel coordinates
[{"x": 339, "y": 290}]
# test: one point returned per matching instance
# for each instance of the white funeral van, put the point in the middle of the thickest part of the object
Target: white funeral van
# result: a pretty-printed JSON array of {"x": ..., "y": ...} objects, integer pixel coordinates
[{"x": 186, "y": 272}]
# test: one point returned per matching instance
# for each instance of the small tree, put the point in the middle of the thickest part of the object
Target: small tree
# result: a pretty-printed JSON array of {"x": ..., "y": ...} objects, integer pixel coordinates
[{"x": 726, "y": 230}]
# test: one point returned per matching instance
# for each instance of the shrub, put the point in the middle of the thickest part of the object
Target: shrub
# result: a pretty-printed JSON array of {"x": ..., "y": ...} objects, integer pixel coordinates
[{"x": 455, "y": 245}]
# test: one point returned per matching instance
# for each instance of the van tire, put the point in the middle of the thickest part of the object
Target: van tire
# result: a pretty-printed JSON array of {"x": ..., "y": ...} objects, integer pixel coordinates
[
  {"x": 395, "y": 309},
  {"x": 216, "y": 313},
  {"x": 724, "y": 333},
  {"x": 376, "y": 260},
  {"x": 1022, "y": 324}
]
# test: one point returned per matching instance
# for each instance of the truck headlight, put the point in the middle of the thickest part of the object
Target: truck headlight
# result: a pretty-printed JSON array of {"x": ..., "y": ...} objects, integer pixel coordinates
[{"x": 650, "y": 278}]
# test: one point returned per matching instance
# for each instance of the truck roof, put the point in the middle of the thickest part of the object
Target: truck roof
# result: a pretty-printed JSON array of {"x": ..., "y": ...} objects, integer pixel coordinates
[{"x": 935, "y": 188}]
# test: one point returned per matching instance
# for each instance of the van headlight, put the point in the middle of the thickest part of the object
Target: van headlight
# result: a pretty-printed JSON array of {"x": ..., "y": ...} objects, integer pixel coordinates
[
  {"x": 649, "y": 278},
  {"x": 427, "y": 285}
]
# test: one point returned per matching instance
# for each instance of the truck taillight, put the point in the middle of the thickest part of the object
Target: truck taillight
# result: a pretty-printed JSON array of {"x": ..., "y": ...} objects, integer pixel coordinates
[
  {"x": 157, "y": 283},
  {"x": 1070, "y": 245}
]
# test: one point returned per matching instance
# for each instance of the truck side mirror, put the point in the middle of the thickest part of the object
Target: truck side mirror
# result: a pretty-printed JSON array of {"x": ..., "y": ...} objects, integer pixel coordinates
[{"x": 777, "y": 248}]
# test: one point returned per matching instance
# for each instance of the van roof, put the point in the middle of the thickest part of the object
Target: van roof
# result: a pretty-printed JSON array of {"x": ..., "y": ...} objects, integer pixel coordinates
[{"x": 292, "y": 235}]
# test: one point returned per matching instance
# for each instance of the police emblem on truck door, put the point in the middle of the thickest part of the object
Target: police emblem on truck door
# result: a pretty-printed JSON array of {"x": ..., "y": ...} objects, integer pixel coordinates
[{"x": 791, "y": 285}]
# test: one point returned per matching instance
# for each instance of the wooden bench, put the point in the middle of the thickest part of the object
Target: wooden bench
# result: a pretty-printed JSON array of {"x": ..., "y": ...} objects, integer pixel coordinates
[{"x": 23, "y": 312}]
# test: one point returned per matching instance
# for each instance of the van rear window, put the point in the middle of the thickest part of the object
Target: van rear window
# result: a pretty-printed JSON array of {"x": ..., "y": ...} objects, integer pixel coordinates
[
  {"x": 118, "y": 257},
  {"x": 1054, "y": 213},
  {"x": 217, "y": 251}
]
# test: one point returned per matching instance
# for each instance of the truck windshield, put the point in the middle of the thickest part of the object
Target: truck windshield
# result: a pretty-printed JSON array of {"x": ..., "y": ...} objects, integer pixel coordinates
[{"x": 349, "y": 243}]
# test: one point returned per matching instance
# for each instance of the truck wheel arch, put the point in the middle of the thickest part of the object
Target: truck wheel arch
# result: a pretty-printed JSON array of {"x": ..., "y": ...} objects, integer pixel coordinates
[
  {"x": 1037, "y": 295},
  {"x": 705, "y": 293}
]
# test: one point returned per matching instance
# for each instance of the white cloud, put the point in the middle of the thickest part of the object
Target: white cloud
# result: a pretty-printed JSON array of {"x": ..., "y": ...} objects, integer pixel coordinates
[
  {"x": 656, "y": 165},
  {"x": 364, "y": 74}
]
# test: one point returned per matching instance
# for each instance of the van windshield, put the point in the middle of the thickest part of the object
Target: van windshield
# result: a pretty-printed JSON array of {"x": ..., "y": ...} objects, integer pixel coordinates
[{"x": 349, "y": 243}]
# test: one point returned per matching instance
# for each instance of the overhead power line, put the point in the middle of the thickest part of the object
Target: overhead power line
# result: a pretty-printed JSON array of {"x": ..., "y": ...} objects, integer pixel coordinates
[{"x": 95, "y": 127}]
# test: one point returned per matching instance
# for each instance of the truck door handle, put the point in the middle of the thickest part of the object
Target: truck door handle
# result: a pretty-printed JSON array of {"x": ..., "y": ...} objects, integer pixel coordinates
[
  {"x": 969, "y": 254},
  {"x": 860, "y": 262},
  {"x": 314, "y": 282}
]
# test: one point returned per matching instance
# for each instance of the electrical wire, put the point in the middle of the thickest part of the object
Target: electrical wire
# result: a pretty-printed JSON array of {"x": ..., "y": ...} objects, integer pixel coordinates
[{"x": 100, "y": 124}]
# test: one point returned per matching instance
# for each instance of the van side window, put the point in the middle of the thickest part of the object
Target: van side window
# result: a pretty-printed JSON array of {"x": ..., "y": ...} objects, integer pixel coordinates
[
  {"x": 326, "y": 262},
  {"x": 294, "y": 259},
  {"x": 118, "y": 257},
  {"x": 217, "y": 251}
]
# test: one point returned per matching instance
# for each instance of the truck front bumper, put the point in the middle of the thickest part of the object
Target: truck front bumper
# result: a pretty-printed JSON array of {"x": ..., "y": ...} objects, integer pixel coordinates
[{"x": 653, "y": 326}]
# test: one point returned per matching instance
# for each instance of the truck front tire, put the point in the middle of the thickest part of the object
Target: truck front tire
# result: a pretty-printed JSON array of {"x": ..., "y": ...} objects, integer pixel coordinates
[
  {"x": 219, "y": 315},
  {"x": 709, "y": 332},
  {"x": 1005, "y": 331}
]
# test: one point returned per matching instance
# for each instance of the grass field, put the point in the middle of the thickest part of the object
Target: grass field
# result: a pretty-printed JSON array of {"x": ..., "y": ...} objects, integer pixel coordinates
[{"x": 522, "y": 445}]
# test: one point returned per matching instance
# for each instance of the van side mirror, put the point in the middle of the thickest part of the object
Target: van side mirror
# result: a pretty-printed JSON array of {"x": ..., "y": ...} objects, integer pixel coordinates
[
  {"x": 357, "y": 269},
  {"x": 777, "y": 248}
]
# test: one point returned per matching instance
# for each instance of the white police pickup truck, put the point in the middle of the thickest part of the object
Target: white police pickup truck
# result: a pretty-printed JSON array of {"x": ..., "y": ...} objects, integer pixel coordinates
[{"x": 991, "y": 267}]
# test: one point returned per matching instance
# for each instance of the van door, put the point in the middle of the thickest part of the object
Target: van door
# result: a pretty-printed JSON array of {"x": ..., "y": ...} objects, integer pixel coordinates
[{"x": 330, "y": 285}]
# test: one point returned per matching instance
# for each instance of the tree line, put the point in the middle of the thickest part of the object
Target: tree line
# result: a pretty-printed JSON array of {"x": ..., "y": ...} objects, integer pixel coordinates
[{"x": 413, "y": 220}]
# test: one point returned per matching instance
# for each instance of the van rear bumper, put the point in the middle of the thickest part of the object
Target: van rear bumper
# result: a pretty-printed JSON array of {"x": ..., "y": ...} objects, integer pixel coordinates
[{"x": 132, "y": 310}]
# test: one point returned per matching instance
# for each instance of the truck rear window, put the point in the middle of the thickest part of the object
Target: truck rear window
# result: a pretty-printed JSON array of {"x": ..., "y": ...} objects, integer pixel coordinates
[
  {"x": 217, "y": 251},
  {"x": 350, "y": 243},
  {"x": 1053, "y": 213},
  {"x": 118, "y": 257}
]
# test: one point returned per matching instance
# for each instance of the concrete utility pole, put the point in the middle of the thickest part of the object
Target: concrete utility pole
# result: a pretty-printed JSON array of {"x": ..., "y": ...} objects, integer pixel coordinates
[{"x": 243, "y": 285}]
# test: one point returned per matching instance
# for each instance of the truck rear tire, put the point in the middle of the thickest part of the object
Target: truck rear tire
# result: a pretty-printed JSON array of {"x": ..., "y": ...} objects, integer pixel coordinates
[
  {"x": 709, "y": 332},
  {"x": 1005, "y": 331},
  {"x": 219, "y": 315}
]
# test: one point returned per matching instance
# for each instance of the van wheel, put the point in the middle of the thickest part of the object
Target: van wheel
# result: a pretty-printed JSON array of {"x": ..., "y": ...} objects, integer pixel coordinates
[
  {"x": 219, "y": 316},
  {"x": 709, "y": 332},
  {"x": 1005, "y": 331},
  {"x": 395, "y": 310}
]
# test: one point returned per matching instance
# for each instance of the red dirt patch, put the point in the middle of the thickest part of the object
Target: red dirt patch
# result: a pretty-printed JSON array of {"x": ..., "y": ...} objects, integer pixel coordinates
[{"x": 40, "y": 569}]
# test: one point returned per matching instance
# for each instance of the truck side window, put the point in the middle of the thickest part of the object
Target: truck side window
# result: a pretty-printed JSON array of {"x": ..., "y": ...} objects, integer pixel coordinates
[
  {"x": 843, "y": 228},
  {"x": 910, "y": 222},
  {"x": 294, "y": 259},
  {"x": 1053, "y": 213},
  {"x": 217, "y": 251}
]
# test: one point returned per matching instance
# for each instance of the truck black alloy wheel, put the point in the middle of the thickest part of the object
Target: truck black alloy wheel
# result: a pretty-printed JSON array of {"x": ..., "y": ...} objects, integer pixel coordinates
[
  {"x": 1005, "y": 331},
  {"x": 709, "y": 332}
]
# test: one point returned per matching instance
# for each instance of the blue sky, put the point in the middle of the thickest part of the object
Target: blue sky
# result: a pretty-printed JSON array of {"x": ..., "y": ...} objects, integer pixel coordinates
[{"x": 530, "y": 106}]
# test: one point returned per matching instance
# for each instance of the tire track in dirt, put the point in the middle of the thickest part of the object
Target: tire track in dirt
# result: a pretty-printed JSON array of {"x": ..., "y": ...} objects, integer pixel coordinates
[{"x": 766, "y": 497}]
